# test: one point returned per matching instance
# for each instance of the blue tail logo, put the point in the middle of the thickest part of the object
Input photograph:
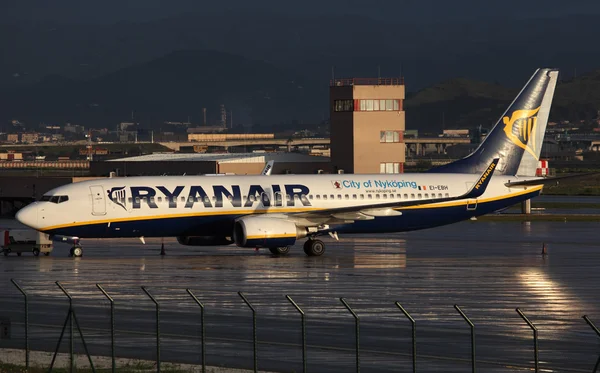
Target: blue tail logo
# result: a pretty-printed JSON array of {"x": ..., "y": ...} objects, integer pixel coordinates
[{"x": 520, "y": 128}]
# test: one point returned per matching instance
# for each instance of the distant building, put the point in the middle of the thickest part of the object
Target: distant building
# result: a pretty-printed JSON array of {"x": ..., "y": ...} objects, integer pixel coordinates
[
  {"x": 30, "y": 137},
  {"x": 12, "y": 138},
  {"x": 367, "y": 125},
  {"x": 198, "y": 164}
]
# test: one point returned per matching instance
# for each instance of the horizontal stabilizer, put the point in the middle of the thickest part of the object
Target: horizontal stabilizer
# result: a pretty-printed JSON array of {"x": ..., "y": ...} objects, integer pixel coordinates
[{"x": 548, "y": 180}]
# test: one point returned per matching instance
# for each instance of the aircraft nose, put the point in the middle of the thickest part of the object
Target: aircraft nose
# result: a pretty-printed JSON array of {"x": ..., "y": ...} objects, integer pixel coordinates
[{"x": 28, "y": 215}]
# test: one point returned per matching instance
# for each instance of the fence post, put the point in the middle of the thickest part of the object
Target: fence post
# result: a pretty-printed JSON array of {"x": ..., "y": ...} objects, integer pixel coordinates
[
  {"x": 202, "y": 335},
  {"x": 253, "y": 328},
  {"x": 535, "y": 338},
  {"x": 72, "y": 364},
  {"x": 157, "y": 328},
  {"x": 472, "y": 335},
  {"x": 112, "y": 326},
  {"x": 303, "y": 331},
  {"x": 591, "y": 324},
  {"x": 414, "y": 336},
  {"x": 26, "y": 323},
  {"x": 357, "y": 328}
]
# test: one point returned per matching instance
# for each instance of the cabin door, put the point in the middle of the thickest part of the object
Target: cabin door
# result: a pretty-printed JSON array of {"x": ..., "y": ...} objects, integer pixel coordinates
[
  {"x": 472, "y": 202},
  {"x": 98, "y": 200}
]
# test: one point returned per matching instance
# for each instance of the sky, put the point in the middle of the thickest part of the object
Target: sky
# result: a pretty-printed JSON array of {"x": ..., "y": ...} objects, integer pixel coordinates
[{"x": 110, "y": 11}]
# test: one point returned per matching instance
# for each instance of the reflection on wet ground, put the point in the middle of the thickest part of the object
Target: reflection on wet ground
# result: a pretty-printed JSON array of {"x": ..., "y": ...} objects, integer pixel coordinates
[{"x": 488, "y": 268}]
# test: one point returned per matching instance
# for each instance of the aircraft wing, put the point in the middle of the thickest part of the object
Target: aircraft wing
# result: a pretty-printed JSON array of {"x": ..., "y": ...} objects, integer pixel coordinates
[{"x": 368, "y": 212}]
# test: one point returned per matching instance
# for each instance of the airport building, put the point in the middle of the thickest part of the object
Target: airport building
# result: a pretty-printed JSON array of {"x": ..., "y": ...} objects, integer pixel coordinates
[
  {"x": 367, "y": 125},
  {"x": 210, "y": 163}
]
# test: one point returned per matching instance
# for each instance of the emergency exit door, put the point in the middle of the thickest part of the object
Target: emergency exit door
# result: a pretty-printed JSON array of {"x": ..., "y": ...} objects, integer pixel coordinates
[{"x": 98, "y": 200}]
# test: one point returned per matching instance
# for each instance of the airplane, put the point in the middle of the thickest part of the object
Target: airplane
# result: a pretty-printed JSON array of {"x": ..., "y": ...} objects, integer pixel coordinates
[{"x": 275, "y": 211}]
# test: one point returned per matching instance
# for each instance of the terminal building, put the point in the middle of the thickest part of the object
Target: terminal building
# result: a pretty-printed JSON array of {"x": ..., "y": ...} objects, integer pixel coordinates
[{"x": 367, "y": 125}]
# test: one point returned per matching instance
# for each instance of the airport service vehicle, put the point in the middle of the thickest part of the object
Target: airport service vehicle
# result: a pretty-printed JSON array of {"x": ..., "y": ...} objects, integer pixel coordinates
[
  {"x": 25, "y": 241},
  {"x": 274, "y": 211}
]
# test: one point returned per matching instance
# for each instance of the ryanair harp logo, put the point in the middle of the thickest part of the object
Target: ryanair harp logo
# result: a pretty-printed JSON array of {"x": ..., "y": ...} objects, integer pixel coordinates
[
  {"x": 118, "y": 195},
  {"x": 521, "y": 127}
]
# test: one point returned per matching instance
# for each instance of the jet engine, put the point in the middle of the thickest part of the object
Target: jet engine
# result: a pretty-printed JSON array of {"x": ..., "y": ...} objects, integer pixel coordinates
[
  {"x": 255, "y": 231},
  {"x": 204, "y": 240}
]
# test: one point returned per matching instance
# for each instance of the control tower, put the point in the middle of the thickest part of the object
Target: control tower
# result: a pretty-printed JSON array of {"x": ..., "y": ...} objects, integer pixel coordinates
[{"x": 367, "y": 125}]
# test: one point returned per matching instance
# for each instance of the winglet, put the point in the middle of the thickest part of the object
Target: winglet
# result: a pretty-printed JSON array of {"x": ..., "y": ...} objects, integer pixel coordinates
[
  {"x": 268, "y": 168},
  {"x": 479, "y": 187}
]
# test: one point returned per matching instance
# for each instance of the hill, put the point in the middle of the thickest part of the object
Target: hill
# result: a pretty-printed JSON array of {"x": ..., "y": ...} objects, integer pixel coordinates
[
  {"x": 171, "y": 88},
  {"x": 464, "y": 103}
]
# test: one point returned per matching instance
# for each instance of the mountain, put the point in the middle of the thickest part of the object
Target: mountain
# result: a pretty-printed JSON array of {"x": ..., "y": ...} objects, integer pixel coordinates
[
  {"x": 503, "y": 49},
  {"x": 171, "y": 88},
  {"x": 465, "y": 103}
]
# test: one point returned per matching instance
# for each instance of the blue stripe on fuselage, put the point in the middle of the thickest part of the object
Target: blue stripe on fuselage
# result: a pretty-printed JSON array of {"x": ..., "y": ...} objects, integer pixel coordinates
[{"x": 222, "y": 225}]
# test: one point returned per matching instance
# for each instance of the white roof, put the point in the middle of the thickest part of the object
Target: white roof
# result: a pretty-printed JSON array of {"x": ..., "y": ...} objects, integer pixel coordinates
[{"x": 225, "y": 158}]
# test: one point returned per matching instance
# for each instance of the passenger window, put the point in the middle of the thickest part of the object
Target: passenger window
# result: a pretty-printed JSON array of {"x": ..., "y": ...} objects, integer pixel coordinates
[
  {"x": 447, "y": 195},
  {"x": 399, "y": 196},
  {"x": 310, "y": 196},
  {"x": 354, "y": 196},
  {"x": 406, "y": 196},
  {"x": 385, "y": 196},
  {"x": 426, "y": 195},
  {"x": 370, "y": 196},
  {"x": 182, "y": 199},
  {"x": 376, "y": 196},
  {"x": 244, "y": 198},
  {"x": 420, "y": 196},
  {"x": 318, "y": 196},
  {"x": 252, "y": 198},
  {"x": 206, "y": 199},
  {"x": 331, "y": 196},
  {"x": 346, "y": 196},
  {"x": 151, "y": 199},
  {"x": 362, "y": 196},
  {"x": 137, "y": 200},
  {"x": 339, "y": 196},
  {"x": 412, "y": 196},
  {"x": 439, "y": 195},
  {"x": 324, "y": 196}
]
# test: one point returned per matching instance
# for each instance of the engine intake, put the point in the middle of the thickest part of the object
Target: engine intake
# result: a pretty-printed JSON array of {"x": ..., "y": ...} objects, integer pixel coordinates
[{"x": 266, "y": 232}]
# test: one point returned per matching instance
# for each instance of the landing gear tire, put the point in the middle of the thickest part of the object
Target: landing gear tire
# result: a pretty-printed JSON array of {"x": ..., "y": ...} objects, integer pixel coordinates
[
  {"x": 6, "y": 252},
  {"x": 36, "y": 252},
  {"x": 314, "y": 248},
  {"x": 279, "y": 250},
  {"x": 76, "y": 251}
]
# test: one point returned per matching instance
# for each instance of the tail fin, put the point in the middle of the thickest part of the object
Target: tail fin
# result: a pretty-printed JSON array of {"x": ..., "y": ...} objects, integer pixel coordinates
[{"x": 517, "y": 137}]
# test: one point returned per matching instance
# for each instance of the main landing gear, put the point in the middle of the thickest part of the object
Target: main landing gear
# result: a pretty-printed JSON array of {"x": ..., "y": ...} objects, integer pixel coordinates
[
  {"x": 314, "y": 247},
  {"x": 76, "y": 251},
  {"x": 279, "y": 250}
]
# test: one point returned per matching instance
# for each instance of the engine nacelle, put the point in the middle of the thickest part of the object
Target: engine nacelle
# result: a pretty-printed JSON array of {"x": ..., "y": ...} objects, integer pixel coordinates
[
  {"x": 255, "y": 231},
  {"x": 204, "y": 240}
]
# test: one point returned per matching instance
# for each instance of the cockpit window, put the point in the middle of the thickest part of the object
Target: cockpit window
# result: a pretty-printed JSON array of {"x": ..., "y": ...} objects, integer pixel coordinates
[{"x": 55, "y": 199}]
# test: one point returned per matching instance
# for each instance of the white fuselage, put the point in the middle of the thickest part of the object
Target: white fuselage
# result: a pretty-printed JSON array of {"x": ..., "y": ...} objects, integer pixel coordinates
[{"x": 164, "y": 206}]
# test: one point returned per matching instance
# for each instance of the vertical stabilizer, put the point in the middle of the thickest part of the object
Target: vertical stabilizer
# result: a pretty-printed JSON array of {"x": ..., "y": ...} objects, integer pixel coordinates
[{"x": 517, "y": 138}]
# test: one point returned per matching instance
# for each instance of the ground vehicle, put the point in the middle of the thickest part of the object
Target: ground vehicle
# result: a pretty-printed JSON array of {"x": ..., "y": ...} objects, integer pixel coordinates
[{"x": 25, "y": 240}]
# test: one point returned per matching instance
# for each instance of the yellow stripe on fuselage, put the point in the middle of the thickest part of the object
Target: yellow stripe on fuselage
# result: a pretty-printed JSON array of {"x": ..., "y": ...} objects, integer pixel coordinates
[{"x": 276, "y": 210}]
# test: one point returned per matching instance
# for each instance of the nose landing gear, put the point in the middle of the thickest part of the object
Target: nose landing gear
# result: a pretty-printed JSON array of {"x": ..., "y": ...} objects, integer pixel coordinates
[{"x": 76, "y": 251}]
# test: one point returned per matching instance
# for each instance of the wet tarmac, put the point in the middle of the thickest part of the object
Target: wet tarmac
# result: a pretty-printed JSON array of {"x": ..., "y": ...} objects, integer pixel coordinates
[{"x": 487, "y": 268}]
